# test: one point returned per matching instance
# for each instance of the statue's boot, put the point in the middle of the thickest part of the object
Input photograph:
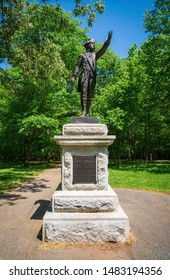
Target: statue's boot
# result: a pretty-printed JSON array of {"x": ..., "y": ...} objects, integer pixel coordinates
[
  {"x": 84, "y": 107},
  {"x": 84, "y": 113},
  {"x": 88, "y": 105}
]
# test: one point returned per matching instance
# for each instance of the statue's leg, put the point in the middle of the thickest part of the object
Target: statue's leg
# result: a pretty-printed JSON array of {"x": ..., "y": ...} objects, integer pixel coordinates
[
  {"x": 89, "y": 100},
  {"x": 84, "y": 103},
  {"x": 90, "y": 94},
  {"x": 84, "y": 94}
]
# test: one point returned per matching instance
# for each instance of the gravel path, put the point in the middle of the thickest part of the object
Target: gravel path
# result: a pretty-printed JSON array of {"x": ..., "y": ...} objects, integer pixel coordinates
[{"x": 22, "y": 211}]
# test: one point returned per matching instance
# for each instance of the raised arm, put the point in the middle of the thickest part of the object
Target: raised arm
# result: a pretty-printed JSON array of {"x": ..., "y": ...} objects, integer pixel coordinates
[{"x": 103, "y": 49}]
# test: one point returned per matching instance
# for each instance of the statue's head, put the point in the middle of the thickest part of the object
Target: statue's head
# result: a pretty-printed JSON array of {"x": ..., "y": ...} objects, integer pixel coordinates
[{"x": 90, "y": 45}]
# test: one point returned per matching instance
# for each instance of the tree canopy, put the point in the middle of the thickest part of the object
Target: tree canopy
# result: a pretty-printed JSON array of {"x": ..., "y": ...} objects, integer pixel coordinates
[{"x": 42, "y": 42}]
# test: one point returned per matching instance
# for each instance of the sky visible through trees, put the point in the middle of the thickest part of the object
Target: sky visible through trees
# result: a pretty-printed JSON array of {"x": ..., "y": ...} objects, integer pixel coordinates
[{"x": 124, "y": 17}]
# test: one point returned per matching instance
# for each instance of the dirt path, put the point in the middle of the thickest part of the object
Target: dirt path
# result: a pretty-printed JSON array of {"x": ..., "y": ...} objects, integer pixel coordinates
[{"x": 22, "y": 211}]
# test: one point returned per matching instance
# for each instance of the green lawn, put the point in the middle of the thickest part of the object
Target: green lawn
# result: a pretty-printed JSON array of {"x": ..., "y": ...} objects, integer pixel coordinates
[
  {"x": 11, "y": 174},
  {"x": 133, "y": 175},
  {"x": 153, "y": 176}
]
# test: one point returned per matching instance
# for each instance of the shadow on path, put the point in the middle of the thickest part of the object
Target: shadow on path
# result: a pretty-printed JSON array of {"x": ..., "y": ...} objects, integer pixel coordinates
[
  {"x": 40, "y": 212},
  {"x": 10, "y": 199},
  {"x": 30, "y": 186}
]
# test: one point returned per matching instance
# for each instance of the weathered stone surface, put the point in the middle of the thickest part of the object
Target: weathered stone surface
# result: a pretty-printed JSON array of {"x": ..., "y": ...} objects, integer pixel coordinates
[
  {"x": 66, "y": 170},
  {"x": 86, "y": 210},
  {"x": 81, "y": 201},
  {"x": 85, "y": 129},
  {"x": 101, "y": 155},
  {"x": 86, "y": 227},
  {"x": 102, "y": 170},
  {"x": 80, "y": 141}
]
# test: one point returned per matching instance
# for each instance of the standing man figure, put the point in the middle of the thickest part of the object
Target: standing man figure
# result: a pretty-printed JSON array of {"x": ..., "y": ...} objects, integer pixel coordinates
[{"x": 86, "y": 66}]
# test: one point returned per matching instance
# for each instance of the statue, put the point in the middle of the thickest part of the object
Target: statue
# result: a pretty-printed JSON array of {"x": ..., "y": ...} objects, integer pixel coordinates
[{"x": 86, "y": 66}]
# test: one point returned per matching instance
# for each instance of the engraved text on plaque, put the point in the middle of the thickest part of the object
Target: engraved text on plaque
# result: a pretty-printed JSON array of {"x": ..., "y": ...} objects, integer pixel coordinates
[{"x": 84, "y": 169}]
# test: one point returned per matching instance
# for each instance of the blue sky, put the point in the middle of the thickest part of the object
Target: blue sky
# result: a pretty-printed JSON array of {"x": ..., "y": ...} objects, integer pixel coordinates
[{"x": 124, "y": 17}]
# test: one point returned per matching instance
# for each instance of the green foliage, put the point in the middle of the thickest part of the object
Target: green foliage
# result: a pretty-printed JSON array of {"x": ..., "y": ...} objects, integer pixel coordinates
[
  {"x": 12, "y": 17},
  {"x": 39, "y": 122},
  {"x": 155, "y": 53},
  {"x": 117, "y": 101},
  {"x": 154, "y": 100},
  {"x": 42, "y": 52},
  {"x": 42, "y": 43},
  {"x": 90, "y": 9},
  {"x": 133, "y": 94},
  {"x": 157, "y": 21}
]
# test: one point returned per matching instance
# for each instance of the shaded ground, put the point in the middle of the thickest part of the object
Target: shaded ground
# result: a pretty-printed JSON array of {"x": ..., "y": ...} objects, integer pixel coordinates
[{"x": 22, "y": 211}]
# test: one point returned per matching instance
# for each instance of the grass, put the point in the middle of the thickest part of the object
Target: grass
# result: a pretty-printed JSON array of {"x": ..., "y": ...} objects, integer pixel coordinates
[
  {"x": 153, "y": 176},
  {"x": 11, "y": 174}
]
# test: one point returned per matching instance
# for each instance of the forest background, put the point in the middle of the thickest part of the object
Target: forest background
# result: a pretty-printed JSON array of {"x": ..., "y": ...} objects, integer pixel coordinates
[{"x": 41, "y": 42}]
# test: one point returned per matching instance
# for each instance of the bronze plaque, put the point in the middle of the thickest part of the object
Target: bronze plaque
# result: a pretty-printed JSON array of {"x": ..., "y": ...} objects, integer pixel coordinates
[{"x": 84, "y": 169}]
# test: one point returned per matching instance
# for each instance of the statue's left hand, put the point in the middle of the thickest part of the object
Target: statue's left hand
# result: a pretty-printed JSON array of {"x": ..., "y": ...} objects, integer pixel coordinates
[{"x": 72, "y": 80}]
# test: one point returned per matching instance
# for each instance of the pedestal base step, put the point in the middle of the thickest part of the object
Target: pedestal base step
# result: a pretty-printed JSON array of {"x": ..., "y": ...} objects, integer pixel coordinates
[
  {"x": 86, "y": 227},
  {"x": 81, "y": 201}
]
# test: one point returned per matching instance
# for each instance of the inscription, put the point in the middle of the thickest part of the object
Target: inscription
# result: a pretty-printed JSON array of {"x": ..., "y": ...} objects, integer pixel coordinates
[{"x": 84, "y": 169}]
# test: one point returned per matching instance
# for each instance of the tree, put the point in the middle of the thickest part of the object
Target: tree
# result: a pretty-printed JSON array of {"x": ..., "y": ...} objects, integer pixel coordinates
[
  {"x": 90, "y": 9},
  {"x": 42, "y": 43},
  {"x": 117, "y": 100},
  {"x": 156, "y": 21},
  {"x": 14, "y": 16},
  {"x": 42, "y": 52},
  {"x": 156, "y": 60}
]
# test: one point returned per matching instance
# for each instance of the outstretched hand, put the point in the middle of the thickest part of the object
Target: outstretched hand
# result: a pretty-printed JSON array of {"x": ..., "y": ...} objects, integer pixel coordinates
[{"x": 110, "y": 35}]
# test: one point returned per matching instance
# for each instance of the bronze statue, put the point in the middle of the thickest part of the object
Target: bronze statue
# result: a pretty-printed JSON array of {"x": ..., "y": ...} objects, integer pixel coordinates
[{"x": 86, "y": 66}]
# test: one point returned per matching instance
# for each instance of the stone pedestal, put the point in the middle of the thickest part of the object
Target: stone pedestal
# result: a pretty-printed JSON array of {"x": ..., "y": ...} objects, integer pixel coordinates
[{"x": 87, "y": 209}]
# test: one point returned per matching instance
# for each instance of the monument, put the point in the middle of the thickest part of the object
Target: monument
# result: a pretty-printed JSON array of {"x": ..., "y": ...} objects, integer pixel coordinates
[
  {"x": 86, "y": 209},
  {"x": 86, "y": 66}
]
